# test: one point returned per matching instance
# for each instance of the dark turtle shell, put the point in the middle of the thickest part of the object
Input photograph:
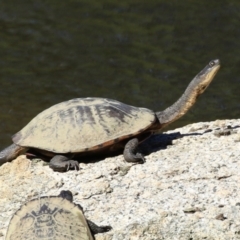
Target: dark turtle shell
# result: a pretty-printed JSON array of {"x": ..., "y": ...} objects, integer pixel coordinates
[{"x": 84, "y": 124}]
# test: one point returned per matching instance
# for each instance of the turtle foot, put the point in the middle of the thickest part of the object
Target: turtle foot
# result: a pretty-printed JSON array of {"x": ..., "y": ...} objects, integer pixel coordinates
[
  {"x": 98, "y": 229},
  {"x": 130, "y": 152},
  {"x": 62, "y": 164}
]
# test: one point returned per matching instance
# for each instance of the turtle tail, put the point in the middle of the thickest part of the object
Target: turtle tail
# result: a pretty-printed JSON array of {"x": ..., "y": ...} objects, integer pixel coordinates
[{"x": 11, "y": 152}]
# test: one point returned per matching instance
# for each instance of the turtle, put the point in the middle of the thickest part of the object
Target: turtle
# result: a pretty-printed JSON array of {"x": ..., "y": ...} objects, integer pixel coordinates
[
  {"x": 52, "y": 218},
  {"x": 94, "y": 126}
]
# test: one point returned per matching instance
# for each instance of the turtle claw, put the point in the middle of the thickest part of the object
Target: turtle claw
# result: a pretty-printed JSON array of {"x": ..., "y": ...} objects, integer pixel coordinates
[
  {"x": 72, "y": 164},
  {"x": 140, "y": 157}
]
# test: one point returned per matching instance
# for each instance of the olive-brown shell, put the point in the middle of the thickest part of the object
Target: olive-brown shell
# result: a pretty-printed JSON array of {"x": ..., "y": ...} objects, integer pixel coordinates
[
  {"x": 83, "y": 124},
  {"x": 49, "y": 218}
]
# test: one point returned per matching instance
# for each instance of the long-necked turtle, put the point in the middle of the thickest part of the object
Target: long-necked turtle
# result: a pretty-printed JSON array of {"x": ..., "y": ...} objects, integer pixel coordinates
[
  {"x": 98, "y": 125},
  {"x": 52, "y": 218}
]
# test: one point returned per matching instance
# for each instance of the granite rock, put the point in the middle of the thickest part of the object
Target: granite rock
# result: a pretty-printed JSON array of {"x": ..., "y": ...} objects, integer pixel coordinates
[{"x": 188, "y": 188}]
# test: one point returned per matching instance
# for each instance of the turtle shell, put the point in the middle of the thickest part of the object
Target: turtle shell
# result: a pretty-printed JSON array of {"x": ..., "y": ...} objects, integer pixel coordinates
[
  {"x": 83, "y": 124},
  {"x": 49, "y": 218}
]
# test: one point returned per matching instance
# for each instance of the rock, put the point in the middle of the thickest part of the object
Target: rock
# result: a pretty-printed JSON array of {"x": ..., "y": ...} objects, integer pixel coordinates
[{"x": 188, "y": 188}]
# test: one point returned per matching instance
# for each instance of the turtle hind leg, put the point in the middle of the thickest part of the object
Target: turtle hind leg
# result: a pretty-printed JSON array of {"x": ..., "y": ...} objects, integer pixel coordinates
[
  {"x": 97, "y": 229},
  {"x": 11, "y": 152},
  {"x": 130, "y": 152},
  {"x": 62, "y": 163}
]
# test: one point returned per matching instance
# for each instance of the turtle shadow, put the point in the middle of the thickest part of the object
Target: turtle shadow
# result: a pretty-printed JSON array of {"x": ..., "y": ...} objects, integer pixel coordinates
[
  {"x": 162, "y": 141},
  {"x": 158, "y": 142}
]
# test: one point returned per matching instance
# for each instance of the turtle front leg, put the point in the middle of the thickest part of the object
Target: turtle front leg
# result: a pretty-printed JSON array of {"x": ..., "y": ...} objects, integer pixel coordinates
[
  {"x": 130, "y": 152},
  {"x": 62, "y": 163},
  {"x": 11, "y": 152}
]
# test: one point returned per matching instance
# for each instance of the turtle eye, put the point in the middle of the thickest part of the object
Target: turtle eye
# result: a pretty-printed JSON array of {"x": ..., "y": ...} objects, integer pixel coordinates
[{"x": 212, "y": 63}]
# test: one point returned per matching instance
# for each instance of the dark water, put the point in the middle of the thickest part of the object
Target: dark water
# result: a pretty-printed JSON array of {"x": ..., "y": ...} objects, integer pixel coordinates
[{"x": 143, "y": 53}]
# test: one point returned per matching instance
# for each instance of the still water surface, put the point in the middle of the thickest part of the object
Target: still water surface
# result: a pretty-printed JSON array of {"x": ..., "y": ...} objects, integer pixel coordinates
[{"x": 143, "y": 53}]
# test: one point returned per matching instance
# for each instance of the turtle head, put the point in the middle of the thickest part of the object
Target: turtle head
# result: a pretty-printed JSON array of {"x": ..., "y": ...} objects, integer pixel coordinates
[
  {"x": 67, "y": 195},
  {"x": 195, "y": 88},
  {"x": 204, "y": 78}
]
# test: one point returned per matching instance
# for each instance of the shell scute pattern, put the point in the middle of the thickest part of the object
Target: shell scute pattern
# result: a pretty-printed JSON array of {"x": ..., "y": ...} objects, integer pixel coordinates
[
  {"x": 44, "y": 219},
  {"x": 83, "y": 123}
]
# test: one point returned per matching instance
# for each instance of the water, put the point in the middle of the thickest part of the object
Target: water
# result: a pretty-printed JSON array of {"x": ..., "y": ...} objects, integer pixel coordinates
[{"x": 143, "y": 53}]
